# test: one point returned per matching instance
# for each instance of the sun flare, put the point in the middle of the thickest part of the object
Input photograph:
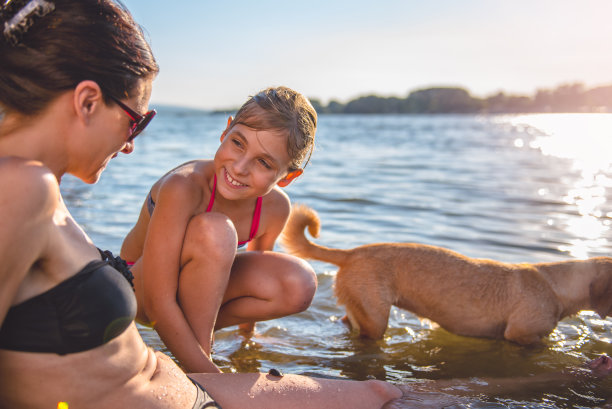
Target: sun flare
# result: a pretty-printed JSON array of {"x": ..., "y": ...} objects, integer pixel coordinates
[{"x": 586, "y": 141}]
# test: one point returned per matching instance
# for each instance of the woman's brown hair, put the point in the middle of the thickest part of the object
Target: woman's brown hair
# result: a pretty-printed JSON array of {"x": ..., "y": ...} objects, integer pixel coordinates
[{"x": 52, "y": 49}]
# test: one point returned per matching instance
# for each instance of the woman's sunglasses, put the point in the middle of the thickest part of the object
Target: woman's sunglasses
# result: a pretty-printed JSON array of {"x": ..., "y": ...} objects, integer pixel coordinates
[{"x": 139, "y": 122}]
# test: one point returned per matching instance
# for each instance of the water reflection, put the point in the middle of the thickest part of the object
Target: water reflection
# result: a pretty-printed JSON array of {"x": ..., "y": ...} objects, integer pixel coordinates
[
  {"x": 585, "y": 140},
  {"x": 530, "y": 188}
]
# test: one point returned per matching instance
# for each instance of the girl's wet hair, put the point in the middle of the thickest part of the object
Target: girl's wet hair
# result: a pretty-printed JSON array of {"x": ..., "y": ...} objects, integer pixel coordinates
[
  {"x": 286, "y": 110},
  {"x": 49, "y": 46}
]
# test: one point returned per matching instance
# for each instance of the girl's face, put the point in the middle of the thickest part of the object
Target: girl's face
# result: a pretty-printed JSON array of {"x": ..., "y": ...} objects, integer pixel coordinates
[{"x": 249, "y": 162}]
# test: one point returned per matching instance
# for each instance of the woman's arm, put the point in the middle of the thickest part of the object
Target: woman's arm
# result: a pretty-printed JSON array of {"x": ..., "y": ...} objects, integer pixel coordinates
[
  {"x": 176, "y": 203},
  {"x": 29, "y": 196}
]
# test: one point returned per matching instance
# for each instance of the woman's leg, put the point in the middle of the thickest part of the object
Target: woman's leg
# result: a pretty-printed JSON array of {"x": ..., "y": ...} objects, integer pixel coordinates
[
  {"x": 206, "y": 260},
  {"x": 266, "y": 285},
  {"x": 255, "y": 391}
]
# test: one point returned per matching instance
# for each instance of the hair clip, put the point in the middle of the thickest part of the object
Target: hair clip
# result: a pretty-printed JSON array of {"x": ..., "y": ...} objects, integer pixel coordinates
[{"x": 23, "y": 19}]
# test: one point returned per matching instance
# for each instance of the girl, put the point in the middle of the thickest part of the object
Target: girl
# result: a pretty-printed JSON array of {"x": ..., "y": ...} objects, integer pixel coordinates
[
  {"x": 190, "y": 280},
  {"x": 75, "y": 80}
]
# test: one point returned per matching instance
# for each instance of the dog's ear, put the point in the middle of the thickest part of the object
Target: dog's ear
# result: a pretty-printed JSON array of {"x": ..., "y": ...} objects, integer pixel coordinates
[{"x": 601, "y": 293}]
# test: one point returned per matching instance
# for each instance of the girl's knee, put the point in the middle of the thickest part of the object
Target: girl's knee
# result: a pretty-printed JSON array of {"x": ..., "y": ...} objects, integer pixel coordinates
[
  {"x": 299, "y": 286},
  {"x": 211, "y": 234}
]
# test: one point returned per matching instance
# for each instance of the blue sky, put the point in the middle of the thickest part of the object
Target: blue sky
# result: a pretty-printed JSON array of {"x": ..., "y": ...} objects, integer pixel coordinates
[{"x": 215, "y": 54}]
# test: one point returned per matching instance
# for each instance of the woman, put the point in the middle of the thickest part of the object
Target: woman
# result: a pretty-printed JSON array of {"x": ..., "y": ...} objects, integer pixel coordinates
[{"x": 75, "y": 80}]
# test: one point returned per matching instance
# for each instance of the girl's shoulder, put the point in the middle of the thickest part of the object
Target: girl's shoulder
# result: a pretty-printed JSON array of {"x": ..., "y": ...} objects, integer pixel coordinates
[
  {"x": 187, "y": 183},
  {"x": 190, "y": 168},
  {"x": 187, "y": 175},
  {"x": 276, "y": 202}
]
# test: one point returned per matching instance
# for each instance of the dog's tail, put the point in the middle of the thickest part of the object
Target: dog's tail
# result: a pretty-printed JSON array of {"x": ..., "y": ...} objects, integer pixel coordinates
[{"x": 294, "y": 240}]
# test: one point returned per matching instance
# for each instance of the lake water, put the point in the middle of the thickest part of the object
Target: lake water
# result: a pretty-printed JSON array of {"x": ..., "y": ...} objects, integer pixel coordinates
[{"x": 528, "y": 188}]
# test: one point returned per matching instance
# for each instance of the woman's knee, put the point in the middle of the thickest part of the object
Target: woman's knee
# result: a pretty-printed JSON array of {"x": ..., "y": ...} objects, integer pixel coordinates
[{"x": 212, "y": 234}]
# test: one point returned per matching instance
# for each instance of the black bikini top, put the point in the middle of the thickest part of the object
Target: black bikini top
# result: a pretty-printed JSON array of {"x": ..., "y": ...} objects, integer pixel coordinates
[{"x": 82, "y": 312}]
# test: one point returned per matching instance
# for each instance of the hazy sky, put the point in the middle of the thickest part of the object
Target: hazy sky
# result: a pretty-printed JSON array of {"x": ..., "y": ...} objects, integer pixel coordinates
[{"x": 214, "y": 54}]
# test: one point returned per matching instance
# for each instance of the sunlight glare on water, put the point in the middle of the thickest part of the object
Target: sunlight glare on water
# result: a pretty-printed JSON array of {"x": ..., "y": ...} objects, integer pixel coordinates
[
  {"x": 585, "y": 140},
  {"x": 528, "y": 188}
]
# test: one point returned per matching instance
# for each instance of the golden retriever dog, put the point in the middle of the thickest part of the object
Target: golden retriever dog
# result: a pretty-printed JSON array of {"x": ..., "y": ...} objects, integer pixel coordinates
[{"x": 466, "y": 296}]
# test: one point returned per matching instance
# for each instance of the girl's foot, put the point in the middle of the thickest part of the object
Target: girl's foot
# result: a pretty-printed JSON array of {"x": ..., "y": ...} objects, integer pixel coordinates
[{"x": 247, "y": 327}]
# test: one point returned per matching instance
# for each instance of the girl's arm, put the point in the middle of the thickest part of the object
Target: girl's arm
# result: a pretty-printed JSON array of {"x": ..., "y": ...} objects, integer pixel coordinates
[{"x": 176, "y": 202}]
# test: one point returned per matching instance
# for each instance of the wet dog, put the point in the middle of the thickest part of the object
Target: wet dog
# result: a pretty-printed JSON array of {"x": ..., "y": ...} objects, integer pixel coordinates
[{"x": 466, "y": 296}]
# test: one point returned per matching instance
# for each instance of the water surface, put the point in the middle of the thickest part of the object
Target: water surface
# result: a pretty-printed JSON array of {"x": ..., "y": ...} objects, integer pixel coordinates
[{"x": 529, "y": 188}]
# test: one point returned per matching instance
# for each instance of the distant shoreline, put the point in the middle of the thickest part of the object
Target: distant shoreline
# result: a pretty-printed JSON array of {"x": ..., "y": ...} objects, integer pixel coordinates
[{"x": 568, "y": 98}]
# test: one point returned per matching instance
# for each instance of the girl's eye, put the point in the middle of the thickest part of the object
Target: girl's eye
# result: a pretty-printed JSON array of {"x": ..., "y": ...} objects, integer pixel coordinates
[
  {"x": 237, "y": 143},
  {"x": 265, "y": 164}
]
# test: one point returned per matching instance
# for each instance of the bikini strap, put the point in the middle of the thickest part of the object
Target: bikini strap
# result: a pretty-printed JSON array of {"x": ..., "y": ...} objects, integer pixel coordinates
[
  {"x": 211, "y": 201},
  {"x": 150, "y": 203},
  {"x": 118, "y": 264},
  {"x": 256, "y": 216},
  {"x": 256, "y": 213}
]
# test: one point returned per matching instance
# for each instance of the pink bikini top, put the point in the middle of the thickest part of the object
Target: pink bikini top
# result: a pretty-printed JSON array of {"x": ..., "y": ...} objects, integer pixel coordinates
[
  {"x": 254, "y": 223},
  {"x": 256, "y": 214}
]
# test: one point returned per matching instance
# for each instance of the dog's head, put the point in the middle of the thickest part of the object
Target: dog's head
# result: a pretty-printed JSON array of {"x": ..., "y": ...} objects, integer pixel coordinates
[{"x": 601, "y": 286}]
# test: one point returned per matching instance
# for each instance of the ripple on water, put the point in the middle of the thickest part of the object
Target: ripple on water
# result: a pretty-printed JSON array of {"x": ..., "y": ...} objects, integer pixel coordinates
[{"x": 511, "y": 188}]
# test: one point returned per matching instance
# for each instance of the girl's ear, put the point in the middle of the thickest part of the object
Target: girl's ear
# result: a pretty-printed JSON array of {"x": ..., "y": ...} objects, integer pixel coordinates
[
  {"x": 289, "y": 178},
  {"x": 229, "y": 122},
  {"x": 87, "y": 96}
]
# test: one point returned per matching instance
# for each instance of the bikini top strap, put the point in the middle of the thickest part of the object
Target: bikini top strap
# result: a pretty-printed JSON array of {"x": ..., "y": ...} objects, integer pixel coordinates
[
  {"x": 256, "y": 216},
  {"x": 150, "y": 204},
  {"x": 211, "y": 201},
  {"x": 256, "y": 213}
]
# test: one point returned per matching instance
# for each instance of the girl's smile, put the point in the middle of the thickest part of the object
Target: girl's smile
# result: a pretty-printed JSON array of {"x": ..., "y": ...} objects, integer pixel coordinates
[{"x": 233, "y": 182}]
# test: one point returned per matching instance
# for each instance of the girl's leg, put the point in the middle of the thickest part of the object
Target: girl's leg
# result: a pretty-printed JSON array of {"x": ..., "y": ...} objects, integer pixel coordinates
[
  {"x": 255, "y": 391},
  {"x": 206, "y": 260},
  {"x": 266, "y": 285}
]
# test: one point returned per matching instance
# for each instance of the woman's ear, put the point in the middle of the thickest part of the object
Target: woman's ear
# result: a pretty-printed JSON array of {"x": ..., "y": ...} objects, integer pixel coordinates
[
  {"x": 289, "y": 178},
  {"x": 229, "y": 122},
  {"x": 87, "y": 97}
]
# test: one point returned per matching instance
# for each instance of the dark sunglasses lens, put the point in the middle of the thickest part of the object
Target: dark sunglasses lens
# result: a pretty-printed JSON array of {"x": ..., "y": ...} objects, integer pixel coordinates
[{"x": 140, "y": 126}]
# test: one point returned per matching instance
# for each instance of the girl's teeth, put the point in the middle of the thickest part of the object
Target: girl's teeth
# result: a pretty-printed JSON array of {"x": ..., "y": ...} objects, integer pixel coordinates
[{"x": 233, "y": 182}]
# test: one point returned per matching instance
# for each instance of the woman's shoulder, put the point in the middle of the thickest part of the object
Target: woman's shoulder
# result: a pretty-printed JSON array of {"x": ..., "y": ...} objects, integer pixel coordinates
[
  {"x": 31, "y": 187},
  {"x": 23, "y": 176}
]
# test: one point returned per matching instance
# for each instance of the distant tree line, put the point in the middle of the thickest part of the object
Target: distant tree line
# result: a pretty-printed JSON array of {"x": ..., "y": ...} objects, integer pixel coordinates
[{"x": 565, "y": 98}]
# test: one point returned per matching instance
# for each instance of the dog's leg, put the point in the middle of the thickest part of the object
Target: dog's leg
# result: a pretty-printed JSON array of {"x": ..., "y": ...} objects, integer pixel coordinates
[
  {"x": 367, "y": 299},
  {"x": 521, "y": 338},
  {"x": 526, "y": 331},
  {"x": 349, "y": 320},
  {"x": 371, "y": 322}
]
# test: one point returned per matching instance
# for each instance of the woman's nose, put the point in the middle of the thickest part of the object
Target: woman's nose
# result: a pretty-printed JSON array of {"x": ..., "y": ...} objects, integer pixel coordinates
[{"x": 128, "y": 147}]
